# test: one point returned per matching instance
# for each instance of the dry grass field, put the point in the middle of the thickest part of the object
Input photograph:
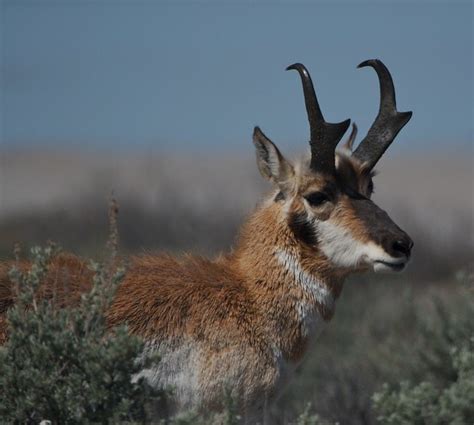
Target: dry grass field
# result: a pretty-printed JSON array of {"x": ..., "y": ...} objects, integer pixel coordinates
[{"x": 196, "y": 203}]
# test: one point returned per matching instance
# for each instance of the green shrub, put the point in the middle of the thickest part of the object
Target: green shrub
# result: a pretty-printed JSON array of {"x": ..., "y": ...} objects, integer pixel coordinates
[
  {"x": 426, "y": 403},
  {"x": 63, "y": 365},
  {"x": 228, "y": 416},
  {"x": 448, "y": 396}
]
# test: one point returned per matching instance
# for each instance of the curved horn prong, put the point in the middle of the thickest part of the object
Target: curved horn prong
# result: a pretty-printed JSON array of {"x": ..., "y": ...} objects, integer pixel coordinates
[
  {"x": 388, "y": 122},
  {"x": 349, "y": 143},
  {"x": 324, "y": 136}
]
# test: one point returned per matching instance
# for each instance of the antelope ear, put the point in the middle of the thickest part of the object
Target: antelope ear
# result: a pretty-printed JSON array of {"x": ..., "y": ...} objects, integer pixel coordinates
[{"x": 272, "y": 164}]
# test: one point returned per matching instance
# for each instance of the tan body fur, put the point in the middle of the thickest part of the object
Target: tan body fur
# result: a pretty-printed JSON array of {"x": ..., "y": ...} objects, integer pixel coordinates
[{"x": 238, "y": 315}]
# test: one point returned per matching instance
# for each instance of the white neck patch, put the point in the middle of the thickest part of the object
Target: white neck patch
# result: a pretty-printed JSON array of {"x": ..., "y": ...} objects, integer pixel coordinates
[
  {"x": 314, "y": 288},
  {"x": 310, "y": 318}
]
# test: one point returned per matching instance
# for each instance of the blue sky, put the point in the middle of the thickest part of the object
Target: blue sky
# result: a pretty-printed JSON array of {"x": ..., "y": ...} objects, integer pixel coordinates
[{"x": 199, "y": 75}]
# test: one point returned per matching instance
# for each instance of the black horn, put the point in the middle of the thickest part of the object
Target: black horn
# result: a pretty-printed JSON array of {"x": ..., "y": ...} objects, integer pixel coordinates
[
  {"x": 388, "y": 122},
  {"x": 324, "y": 136}
]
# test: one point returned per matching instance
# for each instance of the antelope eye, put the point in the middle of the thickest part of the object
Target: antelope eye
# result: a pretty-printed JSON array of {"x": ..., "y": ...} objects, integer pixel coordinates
[{"x": 316, "y": 198}]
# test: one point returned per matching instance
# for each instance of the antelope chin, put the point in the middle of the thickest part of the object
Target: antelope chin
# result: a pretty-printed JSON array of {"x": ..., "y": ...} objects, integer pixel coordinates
[{"x": 382, "y": 266}]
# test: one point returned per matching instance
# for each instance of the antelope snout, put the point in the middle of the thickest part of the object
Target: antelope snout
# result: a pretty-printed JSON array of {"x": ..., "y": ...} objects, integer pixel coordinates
[
  {"x": 394, "y": 242},
  {"x": 398, "y": 246}
]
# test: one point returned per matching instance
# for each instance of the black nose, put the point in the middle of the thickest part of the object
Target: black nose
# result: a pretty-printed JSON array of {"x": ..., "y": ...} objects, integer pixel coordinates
[{"x": 402, "y": 247}]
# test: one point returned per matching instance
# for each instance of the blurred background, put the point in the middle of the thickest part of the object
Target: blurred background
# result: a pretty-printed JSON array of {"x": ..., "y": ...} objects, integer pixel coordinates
[{"x": 155, "y": 102}]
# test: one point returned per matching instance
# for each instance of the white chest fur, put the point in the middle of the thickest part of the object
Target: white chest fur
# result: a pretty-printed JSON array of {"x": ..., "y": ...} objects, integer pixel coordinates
[
  {"x": 176, "y": 370},
  {"x": 314, "y": 292},
  {"x": 186, "y": 368}
]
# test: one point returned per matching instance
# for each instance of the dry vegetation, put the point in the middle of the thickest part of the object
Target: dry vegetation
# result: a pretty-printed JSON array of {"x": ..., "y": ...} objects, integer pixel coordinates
[{"x": 197, "y": 203}]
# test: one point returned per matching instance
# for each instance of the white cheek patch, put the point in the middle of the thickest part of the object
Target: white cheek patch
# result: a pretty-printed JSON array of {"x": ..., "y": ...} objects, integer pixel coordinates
[{"x": 338, "y": 245}]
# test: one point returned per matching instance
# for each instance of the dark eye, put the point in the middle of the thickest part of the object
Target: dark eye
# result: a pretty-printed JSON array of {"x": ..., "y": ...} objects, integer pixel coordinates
[{"x": 316, "y": 198}]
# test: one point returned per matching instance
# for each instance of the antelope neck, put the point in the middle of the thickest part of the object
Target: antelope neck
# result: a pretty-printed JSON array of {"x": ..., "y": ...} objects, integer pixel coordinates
[
  {"x": 277, "y": 267},
  {"x": 313, "y": 287}
]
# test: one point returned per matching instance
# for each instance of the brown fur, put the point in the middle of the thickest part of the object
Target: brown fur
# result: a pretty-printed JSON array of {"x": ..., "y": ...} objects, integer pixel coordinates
[
  {"x": 162, "y": 296},
  {"x": 165, "y": 296}
]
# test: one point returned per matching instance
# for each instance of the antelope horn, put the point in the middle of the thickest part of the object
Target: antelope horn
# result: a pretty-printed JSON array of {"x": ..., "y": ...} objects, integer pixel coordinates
[
  {"x": 388, "y": 122},
  {"x": 347, "y": 145},
  {"x": 324, "y": 136}
]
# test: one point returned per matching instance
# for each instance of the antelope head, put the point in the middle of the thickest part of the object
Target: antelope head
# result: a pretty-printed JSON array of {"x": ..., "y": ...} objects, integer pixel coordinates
[{"x": 326, "y": 200}]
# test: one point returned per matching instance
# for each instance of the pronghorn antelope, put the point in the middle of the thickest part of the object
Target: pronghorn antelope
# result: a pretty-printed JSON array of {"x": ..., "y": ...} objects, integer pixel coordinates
[{"x": 244, "y": 320}]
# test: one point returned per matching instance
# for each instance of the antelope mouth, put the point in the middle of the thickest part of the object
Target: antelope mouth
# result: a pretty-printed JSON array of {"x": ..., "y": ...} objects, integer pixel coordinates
[{"x": 387, "y": 266}]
